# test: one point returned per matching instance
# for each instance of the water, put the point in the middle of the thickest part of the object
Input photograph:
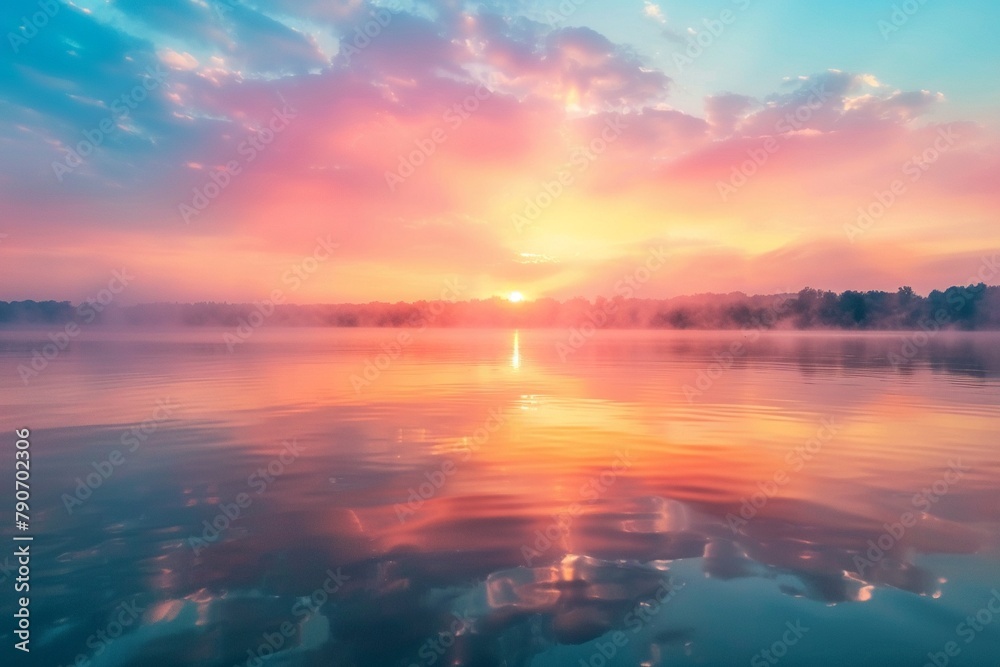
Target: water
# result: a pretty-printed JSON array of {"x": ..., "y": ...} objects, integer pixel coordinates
[{"x": 507, "y": 498}]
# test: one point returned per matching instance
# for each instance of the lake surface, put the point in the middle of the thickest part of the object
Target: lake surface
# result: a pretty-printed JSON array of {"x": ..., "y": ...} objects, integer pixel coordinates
[{"x": 508, "y": 498}]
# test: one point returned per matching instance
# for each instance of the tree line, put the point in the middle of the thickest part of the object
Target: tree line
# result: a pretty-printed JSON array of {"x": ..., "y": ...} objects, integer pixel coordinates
[{"x": 968, "y": 307}]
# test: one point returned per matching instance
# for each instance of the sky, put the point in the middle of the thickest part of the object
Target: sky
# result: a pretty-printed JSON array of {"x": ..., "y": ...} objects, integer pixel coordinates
[{"x": 355, "y": 151}]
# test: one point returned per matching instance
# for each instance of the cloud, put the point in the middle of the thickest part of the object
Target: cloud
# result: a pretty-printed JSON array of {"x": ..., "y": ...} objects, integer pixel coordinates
[
  {"x": 725, "y": 112},
  {"x": 574, "y": 66},
  {"x": 590, "y": 71},
  {"x": 653, "y": 11},
  {"x": 823, "y": 102},
  {"x": 176, "y": 60},
  {"x": 541, "y": 98},
  {"x": 239, "y": 34}
]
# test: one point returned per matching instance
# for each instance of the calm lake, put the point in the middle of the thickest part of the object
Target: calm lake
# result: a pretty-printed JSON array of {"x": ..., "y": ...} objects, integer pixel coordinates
[{"x": 390, "y": 498}]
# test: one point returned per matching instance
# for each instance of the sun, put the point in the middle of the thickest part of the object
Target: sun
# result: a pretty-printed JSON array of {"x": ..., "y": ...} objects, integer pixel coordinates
[{"x": 515, "y": 297}]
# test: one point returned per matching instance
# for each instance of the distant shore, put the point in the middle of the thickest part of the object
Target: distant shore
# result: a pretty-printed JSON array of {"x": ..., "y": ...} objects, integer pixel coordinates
[{"x": 972, "y": 307}]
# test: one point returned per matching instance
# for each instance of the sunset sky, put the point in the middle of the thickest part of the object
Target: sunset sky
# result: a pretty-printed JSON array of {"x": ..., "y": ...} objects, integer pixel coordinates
[{"x": 118, "y": 118}]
